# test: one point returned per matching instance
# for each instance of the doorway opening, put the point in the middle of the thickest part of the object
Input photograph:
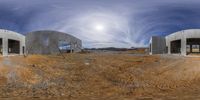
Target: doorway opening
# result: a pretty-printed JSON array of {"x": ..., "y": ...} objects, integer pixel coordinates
[
  {"x": 13, "y": 46},
  {"x": 193, "y": 46},
  {"x": 176, "y": 47}
]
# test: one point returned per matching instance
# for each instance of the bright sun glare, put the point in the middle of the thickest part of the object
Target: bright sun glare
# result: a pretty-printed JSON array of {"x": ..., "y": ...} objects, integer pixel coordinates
[{"x": 99, "y": 27}]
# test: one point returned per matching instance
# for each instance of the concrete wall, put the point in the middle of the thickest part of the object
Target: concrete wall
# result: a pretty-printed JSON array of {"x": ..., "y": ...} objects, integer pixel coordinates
[
  {"x": 158, "y": 45},
  {"x": 46, "y": 42},
  {"x": 6, "y": 34},
  {"x": 183, "y": 36}
]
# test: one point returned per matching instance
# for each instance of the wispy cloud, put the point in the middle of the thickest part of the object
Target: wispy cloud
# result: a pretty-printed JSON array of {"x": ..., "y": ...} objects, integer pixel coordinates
[{"x": 127, "y": 22}]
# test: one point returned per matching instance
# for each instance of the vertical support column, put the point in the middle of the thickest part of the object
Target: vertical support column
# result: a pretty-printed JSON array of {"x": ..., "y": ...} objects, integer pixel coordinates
[
  {"x": 183, "y": 45},
  {"x": 190, "y": 48},
  {"x": 169, "y": 47},
  {"x": 71, "y": 47},
  {"x": 5, "y": 46},
  {"x": 199, "y": 49},
  {"x": 20, "y": 48}
]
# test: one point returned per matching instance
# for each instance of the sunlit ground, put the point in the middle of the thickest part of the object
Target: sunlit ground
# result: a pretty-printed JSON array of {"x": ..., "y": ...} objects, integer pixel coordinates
[{"x": 100, "y": 76}]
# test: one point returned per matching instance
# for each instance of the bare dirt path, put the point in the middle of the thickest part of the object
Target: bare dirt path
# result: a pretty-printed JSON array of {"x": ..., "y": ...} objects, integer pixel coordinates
[{"x": 100, "y": 77}]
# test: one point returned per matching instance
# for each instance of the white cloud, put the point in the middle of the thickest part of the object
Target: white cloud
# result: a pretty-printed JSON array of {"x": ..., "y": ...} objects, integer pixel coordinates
[{"x": 124, "y": 25}]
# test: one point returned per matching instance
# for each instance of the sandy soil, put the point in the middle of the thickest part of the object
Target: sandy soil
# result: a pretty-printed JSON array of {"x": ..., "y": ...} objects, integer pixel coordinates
[{"x": 100, "y": 77}]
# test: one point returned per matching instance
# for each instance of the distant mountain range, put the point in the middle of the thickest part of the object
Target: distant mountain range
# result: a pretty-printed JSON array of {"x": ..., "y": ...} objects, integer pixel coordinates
[{"x": 114, "y": 49}]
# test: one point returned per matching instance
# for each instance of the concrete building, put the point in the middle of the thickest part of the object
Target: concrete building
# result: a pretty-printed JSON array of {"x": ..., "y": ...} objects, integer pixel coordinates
[
  {"x": 51, "y": 42},
  {"x": 183, "y": 42},
  {"x": 11, "y": 43},
  {"x": 38, "y": 42},
  {"x": 157, "y": 45}
]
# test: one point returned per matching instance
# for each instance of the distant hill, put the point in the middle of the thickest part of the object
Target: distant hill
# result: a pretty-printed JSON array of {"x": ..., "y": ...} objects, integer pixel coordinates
[{"x": 114, "y": 49}]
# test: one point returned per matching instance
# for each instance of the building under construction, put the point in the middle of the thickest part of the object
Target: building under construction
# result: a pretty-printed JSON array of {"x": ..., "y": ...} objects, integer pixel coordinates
[
  {"x": 11, "y": 43},
  {"x": 51, "y": 42},
  {"x": 183, "y": 43},
  {"x": 38, "y": 42}
]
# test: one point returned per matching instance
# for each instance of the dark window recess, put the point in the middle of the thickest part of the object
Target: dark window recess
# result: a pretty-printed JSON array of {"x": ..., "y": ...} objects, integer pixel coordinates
[
  {"x": 1, "y": 46},
  {"x": 23, "y": 48}
]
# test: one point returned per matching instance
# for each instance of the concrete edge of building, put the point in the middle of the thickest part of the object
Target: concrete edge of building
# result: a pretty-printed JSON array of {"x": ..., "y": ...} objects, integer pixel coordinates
[
  {"x": 181, "y": 36},
  {"x": 7, "y": 35}
]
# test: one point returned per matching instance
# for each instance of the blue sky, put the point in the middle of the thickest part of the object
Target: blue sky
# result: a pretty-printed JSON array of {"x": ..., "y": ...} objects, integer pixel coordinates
[{"x": 102, "y": 23}]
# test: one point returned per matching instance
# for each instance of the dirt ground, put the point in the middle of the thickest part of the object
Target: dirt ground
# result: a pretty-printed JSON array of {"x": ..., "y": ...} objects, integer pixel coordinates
[{"x": 101, "y": 76}]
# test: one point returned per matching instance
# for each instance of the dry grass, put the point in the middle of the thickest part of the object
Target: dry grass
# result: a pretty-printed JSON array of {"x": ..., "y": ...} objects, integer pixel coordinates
[{"x": 100, "y": 76}]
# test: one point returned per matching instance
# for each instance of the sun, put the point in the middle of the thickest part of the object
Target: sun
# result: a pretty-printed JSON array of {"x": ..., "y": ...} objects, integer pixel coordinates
[{"x": 99, "y": 27}]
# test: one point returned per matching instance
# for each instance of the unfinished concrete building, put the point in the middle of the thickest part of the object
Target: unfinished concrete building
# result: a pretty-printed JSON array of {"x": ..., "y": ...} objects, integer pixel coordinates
[
  {"x": 184, "y": 42},
  {"x": 157, "y": 45},
  {"x": 11, "y": 43},
  {"x": 51, "y": 42}
]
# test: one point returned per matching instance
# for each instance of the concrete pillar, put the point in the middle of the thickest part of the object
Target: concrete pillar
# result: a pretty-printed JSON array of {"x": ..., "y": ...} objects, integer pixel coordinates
[
  {"x": 5, "y": 46},
  {"x": 169, "y": 47},
  {"x": 199, "y": 48},
  {"x": 190, "y": 48},
  {"x": 71, "y": 47},
  {"x": 183, "y": 46},
  {"x": 20, "y": 48}
]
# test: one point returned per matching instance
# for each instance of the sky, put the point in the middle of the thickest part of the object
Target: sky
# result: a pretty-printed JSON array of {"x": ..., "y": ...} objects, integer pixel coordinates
[{"x": 102, "y": 23}]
